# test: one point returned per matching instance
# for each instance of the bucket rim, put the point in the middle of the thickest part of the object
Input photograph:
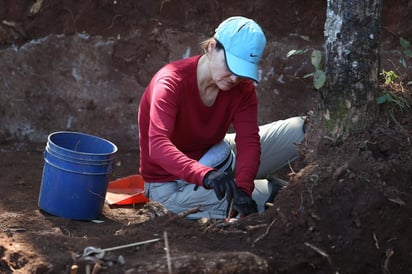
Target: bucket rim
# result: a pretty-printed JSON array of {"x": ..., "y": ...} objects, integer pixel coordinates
[{"x": 49, "y": 140}]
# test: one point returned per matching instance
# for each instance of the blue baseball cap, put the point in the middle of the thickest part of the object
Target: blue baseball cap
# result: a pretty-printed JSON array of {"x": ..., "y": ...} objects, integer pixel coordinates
[{"x": 243, "y": 41}]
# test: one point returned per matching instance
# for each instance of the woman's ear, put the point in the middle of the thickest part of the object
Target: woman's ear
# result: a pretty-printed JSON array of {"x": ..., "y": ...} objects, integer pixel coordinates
[{"x": 211, "y": 46}]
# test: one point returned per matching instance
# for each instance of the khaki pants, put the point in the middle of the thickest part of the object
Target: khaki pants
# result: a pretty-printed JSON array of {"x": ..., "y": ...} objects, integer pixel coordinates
[{"x": 279, "y": 142}]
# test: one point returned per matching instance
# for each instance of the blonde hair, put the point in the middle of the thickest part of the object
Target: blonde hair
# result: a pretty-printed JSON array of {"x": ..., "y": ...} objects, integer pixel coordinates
[{"x": 205, "y": 44}]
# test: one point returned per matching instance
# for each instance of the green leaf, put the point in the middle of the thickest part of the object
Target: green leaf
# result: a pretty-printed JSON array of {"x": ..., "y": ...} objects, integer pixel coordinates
[
  {"x": 382, "y": 99},
  {"x": 404, "y": 43},
  {"x": 408, "y": 53},
  {"x": 316, "y": 58},
  {"x": 390, "y": 76},
  {"x": 319, "y": 79},
  {"x": 403, "y": 62}
]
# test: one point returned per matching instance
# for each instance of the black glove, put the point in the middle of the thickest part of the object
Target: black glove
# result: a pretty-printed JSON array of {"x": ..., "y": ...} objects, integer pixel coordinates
[
  {"x": 221, "y": 182},
  {"x": 243, "y": 204}
]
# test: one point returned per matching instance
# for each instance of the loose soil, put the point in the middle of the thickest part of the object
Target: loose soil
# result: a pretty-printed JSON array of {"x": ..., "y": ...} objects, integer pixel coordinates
[{"x": 347, "y": 208}]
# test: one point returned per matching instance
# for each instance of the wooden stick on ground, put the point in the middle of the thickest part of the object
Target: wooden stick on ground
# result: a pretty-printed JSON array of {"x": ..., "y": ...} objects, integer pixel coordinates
[
  {"x": 169, "y": 261},
  {"x": 320, "y": 251},
  {"x": 189, "y": 211},
  {"x": 230, "y": 212}
]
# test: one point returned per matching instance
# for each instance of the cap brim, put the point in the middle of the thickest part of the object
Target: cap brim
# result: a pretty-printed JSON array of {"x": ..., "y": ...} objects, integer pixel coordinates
[{"x": 241, "y": 68}]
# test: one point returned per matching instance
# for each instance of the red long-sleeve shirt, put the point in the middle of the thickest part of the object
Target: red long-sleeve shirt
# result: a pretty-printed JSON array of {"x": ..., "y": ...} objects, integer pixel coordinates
[{"x": 176, "y": 128}]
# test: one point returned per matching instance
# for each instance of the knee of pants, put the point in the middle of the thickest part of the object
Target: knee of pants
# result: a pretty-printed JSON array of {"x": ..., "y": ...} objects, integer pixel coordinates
[
  {"x": 297, "y": 124},
  {"x": 220, "y": 156}
]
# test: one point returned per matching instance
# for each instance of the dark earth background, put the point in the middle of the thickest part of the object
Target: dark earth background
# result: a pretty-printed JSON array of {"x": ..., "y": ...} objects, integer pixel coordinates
[{"x": 83, "y": 65}]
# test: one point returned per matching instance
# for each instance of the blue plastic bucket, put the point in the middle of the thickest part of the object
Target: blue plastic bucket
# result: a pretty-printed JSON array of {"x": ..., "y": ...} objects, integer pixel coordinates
[{"x": 76, "y": 173}]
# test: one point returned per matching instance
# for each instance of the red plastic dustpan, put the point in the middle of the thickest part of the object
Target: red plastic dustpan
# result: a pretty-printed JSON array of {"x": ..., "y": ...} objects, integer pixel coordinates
[{"x": 126, "y": 191}]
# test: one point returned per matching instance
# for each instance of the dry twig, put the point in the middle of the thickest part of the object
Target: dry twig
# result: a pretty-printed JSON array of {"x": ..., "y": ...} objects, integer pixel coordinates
[
  {"x": 230, "y": 212},
  {"x": 169, "y": 261},
  {"x": 36, "y": 7},
  {"x": 269, "y": 204},
  {"x": 340, "y": 170},
  {"x": 376, "y": 241},
  {"x": 397, "y": 201},
  {"x": 114, "y": 18},
  {"x": 389, "y": 254},
  {"x": 291, "y": 169},
  {"x": 320, "y": 251},
  {"x": 189, "y": 211},
  {"x": 264, "y": 234}
]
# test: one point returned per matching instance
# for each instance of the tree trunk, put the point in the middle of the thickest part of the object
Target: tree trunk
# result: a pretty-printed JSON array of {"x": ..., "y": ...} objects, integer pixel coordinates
[{"x": 352, "y": 33}]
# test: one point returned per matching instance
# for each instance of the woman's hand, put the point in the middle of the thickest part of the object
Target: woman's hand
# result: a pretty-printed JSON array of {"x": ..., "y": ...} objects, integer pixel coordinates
[
  {"x": 222, "y": 183},
  {"x": 244, "y": 204}
]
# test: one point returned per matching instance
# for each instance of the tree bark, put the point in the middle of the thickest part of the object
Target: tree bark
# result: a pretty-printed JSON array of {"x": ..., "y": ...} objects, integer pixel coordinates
[{"x": 352, "y": 63}]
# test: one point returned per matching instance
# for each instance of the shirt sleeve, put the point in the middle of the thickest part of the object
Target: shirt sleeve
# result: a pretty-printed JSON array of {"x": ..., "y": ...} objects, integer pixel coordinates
[
  {"x": 163, "y": 112},
  {"x": 247, "y": 141}
]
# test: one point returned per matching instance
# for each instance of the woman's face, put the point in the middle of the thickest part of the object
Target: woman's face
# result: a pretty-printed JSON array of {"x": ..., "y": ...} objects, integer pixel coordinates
[{"x": 221, "y": 75}]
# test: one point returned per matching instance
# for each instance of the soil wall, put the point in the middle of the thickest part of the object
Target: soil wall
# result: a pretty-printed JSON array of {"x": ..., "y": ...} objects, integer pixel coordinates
[{"x": 82, "y": 66}]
